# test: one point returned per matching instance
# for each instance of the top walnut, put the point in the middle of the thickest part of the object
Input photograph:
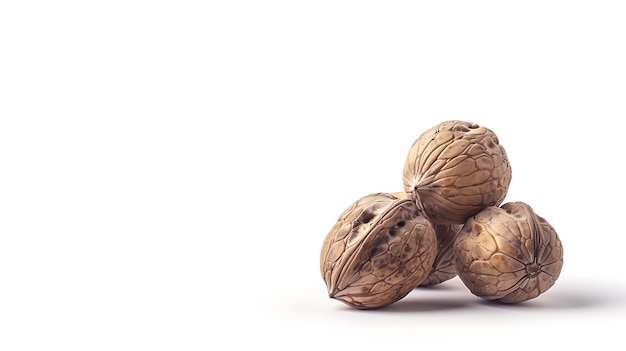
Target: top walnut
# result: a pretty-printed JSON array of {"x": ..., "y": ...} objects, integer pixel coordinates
[{"x": 456, "y": 169}]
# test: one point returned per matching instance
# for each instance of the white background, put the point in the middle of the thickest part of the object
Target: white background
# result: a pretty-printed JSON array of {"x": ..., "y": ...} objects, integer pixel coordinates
[{"x": 169, "y": 169}]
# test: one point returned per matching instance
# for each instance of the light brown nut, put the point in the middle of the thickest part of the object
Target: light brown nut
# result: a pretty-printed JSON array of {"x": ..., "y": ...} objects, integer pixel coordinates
[
  {"x": 377, "y": 252},
  {"x": 454, "y": 170},
  {"x": 444, "y": 267},
  {"x": 508, "y": 253}
]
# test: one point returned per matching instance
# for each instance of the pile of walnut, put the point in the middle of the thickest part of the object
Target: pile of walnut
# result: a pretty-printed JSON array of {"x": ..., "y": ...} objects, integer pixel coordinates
[{"x": 448, "y": 221}]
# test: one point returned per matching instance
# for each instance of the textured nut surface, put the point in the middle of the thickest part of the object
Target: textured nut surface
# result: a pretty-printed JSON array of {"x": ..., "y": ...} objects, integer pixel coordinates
[
  {"x": 377, "y": 252},
  {"x": 454, "y": 170},
  {"x": 444, "y": 267},
  {"x": 508, "y": 253}
]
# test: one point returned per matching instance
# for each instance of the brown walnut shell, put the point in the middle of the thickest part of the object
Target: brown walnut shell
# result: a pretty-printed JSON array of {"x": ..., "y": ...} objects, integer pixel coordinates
[
  {"x": 444, "y": 267},
  {"x": 508, "y": 253},
  {"x": 455, "y": 169},
  {"x": 377, "y": 252}
]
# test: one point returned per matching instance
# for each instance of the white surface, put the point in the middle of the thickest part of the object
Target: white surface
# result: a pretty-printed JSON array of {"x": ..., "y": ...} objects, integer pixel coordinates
[{"x": 169, "y": 169}]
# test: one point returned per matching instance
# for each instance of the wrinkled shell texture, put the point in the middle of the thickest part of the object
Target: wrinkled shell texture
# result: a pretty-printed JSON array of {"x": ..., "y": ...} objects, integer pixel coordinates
[
  {"x": 444, "y": 267},
  {"x": 378, "y": 251},
  {"x": 454, "y": 170},
  {"x": 508, "y": 254}
]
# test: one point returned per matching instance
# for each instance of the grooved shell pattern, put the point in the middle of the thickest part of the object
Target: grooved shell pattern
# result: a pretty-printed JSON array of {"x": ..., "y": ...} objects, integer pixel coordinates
[
  {"x": 508, "y": 253},
  {"x": 444, "y": 267},
  {"x": 379, "y": 250},
  {"x": 454, "y": 170}
]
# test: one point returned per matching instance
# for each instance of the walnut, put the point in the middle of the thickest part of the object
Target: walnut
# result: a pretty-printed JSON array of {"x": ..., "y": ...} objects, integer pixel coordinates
[
  {"x": 444, "y": 267},
  {"x": 508, "y": 253},
  {"x": 377, "y": 252},
  {"x": 454, "y": 170}
]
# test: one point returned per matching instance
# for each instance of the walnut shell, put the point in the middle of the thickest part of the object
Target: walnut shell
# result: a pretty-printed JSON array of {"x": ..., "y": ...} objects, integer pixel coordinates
[
  {"x": 508, "y": 253},
  {"x": 454, "y": 170},
  {"x": 444, "y": 267},
  {"x": 377, "y": 252}
]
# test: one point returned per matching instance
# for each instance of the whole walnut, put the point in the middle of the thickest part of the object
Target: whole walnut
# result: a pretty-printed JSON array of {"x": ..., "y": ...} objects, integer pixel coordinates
[
  {"x": 443, "y": 268},
  {"x": 508, "y": 253},
  {"x": 377, "y": 252},
  {"x": 454, "y": 170}
]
